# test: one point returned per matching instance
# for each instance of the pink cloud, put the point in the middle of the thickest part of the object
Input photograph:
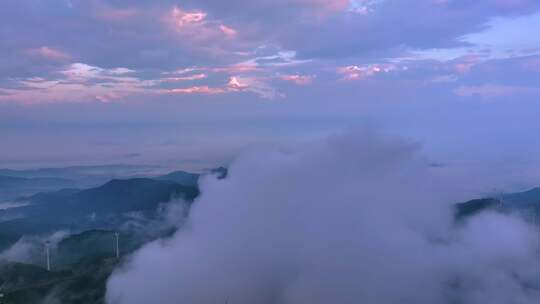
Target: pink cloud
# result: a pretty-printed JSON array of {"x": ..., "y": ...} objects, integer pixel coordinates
[
  {"x": 191, "y": 26},
  {"x": 354, "y": 72},
  {"x": 198, "y": 29},
  {"x": 61, "y": 92},
  {"x": 464, "y": 64},
  {"x": 79, "y": 82},
  {"x": 49, "y": 53},
  {"x": 181, "y": 71},
  {"x": 181, "y": 18},
  {"x": 81, "y": 72},
  {"x": 256, "y": 85},
  {"x": 463, "y": 68},
  {"x": 351, "y": 72},
  {"x": 229, "y": 32},
  {"x": 185, "y": 78},
  {"x": 197, "y": 90},
  {"x": 234, "y": 84},
  {"x": 298, "y": 79}
]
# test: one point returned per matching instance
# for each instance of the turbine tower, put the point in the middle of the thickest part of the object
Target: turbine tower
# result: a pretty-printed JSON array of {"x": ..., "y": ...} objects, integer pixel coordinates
[
  {"x": 117, "y": 247},
  {"x": 48, "y": 255}
]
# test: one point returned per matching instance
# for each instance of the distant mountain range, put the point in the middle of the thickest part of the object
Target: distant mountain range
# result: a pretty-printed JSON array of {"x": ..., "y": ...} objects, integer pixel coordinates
[
  {"x": 526, "y": 204},
  {"x": 110, "y": 171},
  {"x": 16, "y": 183},
  {"x": 10, "y": 181},
  {"x": 191, "y": 179},
  {"x": 12, "y": 187},
  {"x": 102, "y": 207},
  {"x": 526, "y": 197},
  {"x": 181, "y": 177},
  {"x": 90, "y": 216},
  {"x": 108, "y": 206},
  {"x": 90, "y": 208}
]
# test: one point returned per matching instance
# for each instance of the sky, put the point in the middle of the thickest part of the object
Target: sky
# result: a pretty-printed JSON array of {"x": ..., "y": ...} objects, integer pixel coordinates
[{"x": 193, "y": 83}]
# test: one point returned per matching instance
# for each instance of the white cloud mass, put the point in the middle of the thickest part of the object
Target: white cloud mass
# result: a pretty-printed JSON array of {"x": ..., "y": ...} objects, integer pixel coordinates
[{"x": 356, "y": 218}]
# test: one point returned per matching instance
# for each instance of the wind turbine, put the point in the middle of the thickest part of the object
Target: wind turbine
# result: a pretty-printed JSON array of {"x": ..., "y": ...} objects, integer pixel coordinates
[
  {"x": 48, "y": 255},
  {"x": 117, "y": 247}
]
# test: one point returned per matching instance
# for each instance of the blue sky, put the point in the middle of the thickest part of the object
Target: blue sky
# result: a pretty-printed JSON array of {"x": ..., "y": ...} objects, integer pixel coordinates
[{"x": 177, "y": 82}]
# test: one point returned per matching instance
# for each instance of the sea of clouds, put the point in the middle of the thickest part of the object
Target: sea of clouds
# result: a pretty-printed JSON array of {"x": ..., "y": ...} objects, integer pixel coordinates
[{"x": 358, "y": 217}]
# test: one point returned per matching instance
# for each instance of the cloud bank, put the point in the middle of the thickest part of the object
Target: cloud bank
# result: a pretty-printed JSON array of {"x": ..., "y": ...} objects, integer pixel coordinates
[{"x": 355, "y": 218}]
